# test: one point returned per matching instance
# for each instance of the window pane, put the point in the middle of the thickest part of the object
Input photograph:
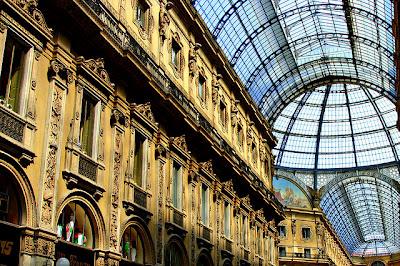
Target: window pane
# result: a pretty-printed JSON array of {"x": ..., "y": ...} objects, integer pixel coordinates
[
  {"x": 87, "y": 124},
  {"x": 11, "y": 73},
  {"x": 139, "y": 159},
  {"x": 176, "y": 185}
]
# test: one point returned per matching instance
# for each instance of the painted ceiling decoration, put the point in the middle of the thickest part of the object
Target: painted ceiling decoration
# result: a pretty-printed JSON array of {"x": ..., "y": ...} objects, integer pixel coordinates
[{"x": 322, "y": 73}]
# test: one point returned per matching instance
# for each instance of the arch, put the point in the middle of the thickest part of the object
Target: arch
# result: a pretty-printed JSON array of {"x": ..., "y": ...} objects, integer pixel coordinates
[
  {"x": 94, "y": 214},
  {"x": 204, "y": 258},
  {"x": 175, "y": 252},
  {"x": 378, "y": 263},
  {"x": 144, "y": 236},
  {"x": 299, "y": 196},
  {"x": 226, "y": 262},
  {"x": 23, "y": 187}
]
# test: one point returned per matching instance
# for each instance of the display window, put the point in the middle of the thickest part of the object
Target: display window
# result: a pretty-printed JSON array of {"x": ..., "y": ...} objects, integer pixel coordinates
[{"x": 132, "y": 248}]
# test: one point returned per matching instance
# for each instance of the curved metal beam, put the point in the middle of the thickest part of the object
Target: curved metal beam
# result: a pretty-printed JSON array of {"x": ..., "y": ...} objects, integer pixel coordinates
[
  {"x": 319, "y": 82},
  {"x": 290, "y": 126},
  {"x": 309, "y": 38},
  {"x": 221, "y": 23},
  {"x": 325, "y": 61}
]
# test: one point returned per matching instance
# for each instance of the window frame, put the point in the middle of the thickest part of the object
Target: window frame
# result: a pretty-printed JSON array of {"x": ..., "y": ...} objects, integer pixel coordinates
[
  {"x": 284, "y": 230},
  {"x": 205, "y": 205},
  {"x": 145, "y": 158},
  {"x": 26, "y": 76},
  {"x": 227, "y": 224},
  {"x": 303, "y": 230},
  {"x": 202, "y": 86},
  {"x": 178, "y": 186},
  {"x": 96, "y": 123}
]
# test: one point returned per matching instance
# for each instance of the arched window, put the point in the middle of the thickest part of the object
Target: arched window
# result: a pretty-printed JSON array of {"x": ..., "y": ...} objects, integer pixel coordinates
[
  {"x": 75, "y": 225},
  {"x": 378, "y": 263},
  {"x": 174, "y": 255},
  {"x": 132, "y": 247},
  {"x": 227, "y": 263},
  {"x": 10, "y": 201},
  {"x": 204, "y": 260}
]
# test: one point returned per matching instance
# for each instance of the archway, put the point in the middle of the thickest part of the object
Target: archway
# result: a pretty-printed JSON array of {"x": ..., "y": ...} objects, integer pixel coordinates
[
  {"x": 136, "y": 244},
  {"x": 175, "y": 253},
  {"x": 378, "y": 263},
  {"x": 80, "y": 229},
  {"x": 204, "y": 259}
]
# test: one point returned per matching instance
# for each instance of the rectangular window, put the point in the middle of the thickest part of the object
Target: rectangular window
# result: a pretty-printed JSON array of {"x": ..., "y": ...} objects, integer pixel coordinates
[
  {"x": 86, "y": 127},
  {"x": 175, "y": 54},
  {"x": 282, "y": 230},
  {"x": 227, "y": 220},
  {"x": 139, "y": 160},
  {"x": 204, "y": 205},
  {"x": 12, "y": 71},
  {"x": 244, "y": 230},
  {"x": 307, "y": 253},
  {"x": 222, "y": 113},
  {"x": 177, "y": 185},
  {"x": 140, "y": 13},
  {"x": 282, "y": 252},
  {"x": 202, "y": 88},
  {"x": 306, "y": 233}
]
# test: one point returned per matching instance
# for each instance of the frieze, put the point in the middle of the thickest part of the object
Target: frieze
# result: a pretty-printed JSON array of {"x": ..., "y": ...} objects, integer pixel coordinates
[{"x": 96, "y": 67}]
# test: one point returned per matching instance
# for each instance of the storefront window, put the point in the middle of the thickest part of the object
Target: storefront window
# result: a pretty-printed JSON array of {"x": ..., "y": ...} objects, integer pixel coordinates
[
  {"x": 173, "y": 255},
  {"x": 10, "y": 209},
  {"x": 74, "y": 226},
  {"x": 132, "y": 246}
]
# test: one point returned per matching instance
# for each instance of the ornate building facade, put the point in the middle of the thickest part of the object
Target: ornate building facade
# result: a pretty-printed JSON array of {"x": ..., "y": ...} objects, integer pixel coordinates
[{"x": 127, "y": 139}]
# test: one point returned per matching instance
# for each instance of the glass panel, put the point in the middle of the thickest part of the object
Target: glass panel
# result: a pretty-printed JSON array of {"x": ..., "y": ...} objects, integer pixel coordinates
[
  {"x": 139, "y": 159},
  {"x": 87, "y": 124},
  {"x": 132, "y": 246},
  {"x": 74, "y": 225}
]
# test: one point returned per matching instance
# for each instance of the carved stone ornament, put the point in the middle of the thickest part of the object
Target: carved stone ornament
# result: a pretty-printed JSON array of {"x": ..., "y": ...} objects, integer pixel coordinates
[
  {"x": 250, "y": 137},
  {"x": 294, "y": 227},
  {"x": 228, "y": 186},
  {"x": 117, "y": 117},
  {"x": 193, "y": 53},
  {"x": 115, "y": 191},
  {"x": 246, "y": 200},
  {"x": 180, "y": 142},
  {"x": 216, "y": 86},
  {"x": 58, "y": 68},
  {"x": 96, "y": 66},
  {"x": 164, "y": 18},
  {"x": 234, "y": 112},
  {"x": 236, "y": 205},
  {"x": 144, "y": 110},
  {"x": 207, "y": 167},
  {"x": 30, "y": 7},
  {"x": 217, "y": 187},
  {"x": 193, "y": 172}
]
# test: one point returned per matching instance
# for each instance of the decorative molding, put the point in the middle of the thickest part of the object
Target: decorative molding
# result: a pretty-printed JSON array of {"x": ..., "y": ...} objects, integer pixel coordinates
[
  {"x": 118, "y": 118},
  {"x": 180, "y": 145},
  {"x": 234, "y": 112},
  {"x": 96, "y": 68},
  {"x": 217, "y": 188},
  {"x": 59, "y": 69},
  {"x": 207, "y": 167},
  {"x": 51, "y": 160},
  {"x": 30, "y": 7},
  {"x": 114, "y": 223},
  {"x": 165, "y": 18},
  {"x": 246, "y": 200},
  {"x": 193, "y": 54},
  {"x": 216, "y": 86},
  {"x": 144, "y": 110},
  {"x": 193, "y": 172}
]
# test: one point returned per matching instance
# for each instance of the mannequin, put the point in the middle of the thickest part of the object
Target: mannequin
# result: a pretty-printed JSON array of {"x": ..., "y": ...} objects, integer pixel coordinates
[{"x": 69, "y": 228}]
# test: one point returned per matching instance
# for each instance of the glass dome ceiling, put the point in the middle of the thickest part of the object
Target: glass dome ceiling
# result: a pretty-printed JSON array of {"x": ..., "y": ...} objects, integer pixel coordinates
[
  {"x": 322, "y": 72},
  {"x": 337, "y": 126}
]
